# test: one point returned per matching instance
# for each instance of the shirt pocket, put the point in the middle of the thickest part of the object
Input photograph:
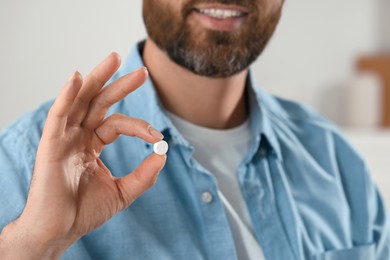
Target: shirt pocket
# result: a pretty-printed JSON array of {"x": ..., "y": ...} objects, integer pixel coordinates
[{"x": 364, "y": 252}]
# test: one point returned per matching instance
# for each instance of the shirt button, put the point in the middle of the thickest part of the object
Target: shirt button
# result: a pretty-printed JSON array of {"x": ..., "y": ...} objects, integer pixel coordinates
[{"x": 207, "y": 197}]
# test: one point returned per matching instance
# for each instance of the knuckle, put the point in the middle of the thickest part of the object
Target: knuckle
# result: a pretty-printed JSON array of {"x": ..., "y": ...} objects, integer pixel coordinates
[
  {"x": 55, "y": 112},
  {"x": 52, "y": 112},
  {"x": 123, "y": 92},
  {"x": 96, "y": 79},
  {"x": 125, "y": 197},
  {"x": 100, "y": 101},
  {"x": 143, "y": 180},
  {"x": 138, "y": 177},
  {"x": 143, "y": 125},
  {"x": 143, "y": 122},
  {"x": 81, "y": 101},
  {"x": 115, "y": 118}
]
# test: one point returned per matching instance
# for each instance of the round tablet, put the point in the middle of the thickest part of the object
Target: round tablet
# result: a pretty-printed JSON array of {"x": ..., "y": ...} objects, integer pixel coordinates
[{"x": 161, "y": 147}]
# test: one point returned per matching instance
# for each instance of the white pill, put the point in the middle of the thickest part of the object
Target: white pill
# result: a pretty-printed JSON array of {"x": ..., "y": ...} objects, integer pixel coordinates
[{"x": 161, "y": 147}]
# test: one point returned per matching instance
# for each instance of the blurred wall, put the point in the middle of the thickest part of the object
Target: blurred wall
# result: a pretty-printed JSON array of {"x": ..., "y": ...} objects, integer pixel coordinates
[
  {"x": 315, "y": 48},
  {"x": 44, "y": 41},
  {"x": 383, "y": 10}
]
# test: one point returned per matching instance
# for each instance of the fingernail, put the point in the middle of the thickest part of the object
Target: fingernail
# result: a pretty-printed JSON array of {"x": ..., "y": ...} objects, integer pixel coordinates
[
  {"x": 113, "y": 53},
  {"x": 143, "y": 69},
  {"x": 156, "y": 134},
  {"x": 74, "y": 76}
]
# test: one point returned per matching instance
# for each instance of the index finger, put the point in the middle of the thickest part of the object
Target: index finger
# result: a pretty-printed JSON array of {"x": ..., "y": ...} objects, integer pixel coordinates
[
  {"x": 111, "y": 94},
  {"x": 91, "y": 87}
]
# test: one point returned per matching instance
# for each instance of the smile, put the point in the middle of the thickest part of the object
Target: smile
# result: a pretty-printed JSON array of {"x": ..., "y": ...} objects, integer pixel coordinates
[
  {"x": 218, "y": 17},
  {"x": 221, "y": 13}
]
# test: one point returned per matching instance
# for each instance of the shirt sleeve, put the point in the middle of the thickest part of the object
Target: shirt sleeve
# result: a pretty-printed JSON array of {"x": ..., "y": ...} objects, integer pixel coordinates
[{"x": 18, "y": 145}]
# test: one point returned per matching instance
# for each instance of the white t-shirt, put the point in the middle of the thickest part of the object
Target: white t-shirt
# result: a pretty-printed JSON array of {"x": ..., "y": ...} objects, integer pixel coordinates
[{"x": 221, "y": 152}]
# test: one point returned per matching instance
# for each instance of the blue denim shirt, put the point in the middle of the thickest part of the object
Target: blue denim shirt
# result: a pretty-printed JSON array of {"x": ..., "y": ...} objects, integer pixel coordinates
[{"x": 308, "y": 193}]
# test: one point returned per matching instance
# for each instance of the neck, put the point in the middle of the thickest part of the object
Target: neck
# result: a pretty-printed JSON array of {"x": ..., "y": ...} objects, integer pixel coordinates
[{"x": 218, "y": 103}]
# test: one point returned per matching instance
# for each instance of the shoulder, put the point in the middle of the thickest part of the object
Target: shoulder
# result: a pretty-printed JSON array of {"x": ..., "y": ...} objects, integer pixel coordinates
[
  {"x": 18, "y": 145},
  {"x": 307, "y": 125},
  {"x": 303, "y": 133},
  {"x": 317, "y": 153},
  {"x": 299, "y": 114},
  {"x": 19, "y": 142}
]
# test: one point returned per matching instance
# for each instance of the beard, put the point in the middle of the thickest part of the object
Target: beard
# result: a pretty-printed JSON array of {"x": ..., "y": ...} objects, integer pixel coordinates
[{"x": 206, "y": 52}]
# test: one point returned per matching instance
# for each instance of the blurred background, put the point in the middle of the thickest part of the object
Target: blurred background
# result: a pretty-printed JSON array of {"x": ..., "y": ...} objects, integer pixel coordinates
[{"x": 331, "y": 55}]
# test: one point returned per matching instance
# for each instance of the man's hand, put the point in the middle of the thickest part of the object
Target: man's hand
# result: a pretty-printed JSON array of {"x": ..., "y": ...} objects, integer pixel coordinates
[{"x": 72, "y": 192}]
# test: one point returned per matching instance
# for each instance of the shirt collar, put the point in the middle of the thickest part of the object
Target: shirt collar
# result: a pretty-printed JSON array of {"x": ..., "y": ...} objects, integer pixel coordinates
[
  {"x": 151, "y": 109},
  {"x": 263, "y": 107},
  {"x": 261, "y": 103}
]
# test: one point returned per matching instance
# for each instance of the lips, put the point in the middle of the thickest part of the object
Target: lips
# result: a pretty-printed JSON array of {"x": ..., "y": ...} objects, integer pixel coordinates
[
  {"x": 220, "y": 13},
  {"x": 220, "y": 17}
]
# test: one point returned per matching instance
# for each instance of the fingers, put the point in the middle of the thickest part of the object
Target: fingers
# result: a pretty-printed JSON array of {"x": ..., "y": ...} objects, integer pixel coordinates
[
  {"x": 141, "y": 179},
  {"x": 57, "y": 118},
  {"x": 118, "y": 124},
  {"x": 91, "y": 87},
  {"x": 112, "y": 94}
]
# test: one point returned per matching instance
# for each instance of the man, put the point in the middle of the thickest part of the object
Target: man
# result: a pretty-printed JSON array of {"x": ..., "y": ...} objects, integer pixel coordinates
[{"x": 247, "y": 176}]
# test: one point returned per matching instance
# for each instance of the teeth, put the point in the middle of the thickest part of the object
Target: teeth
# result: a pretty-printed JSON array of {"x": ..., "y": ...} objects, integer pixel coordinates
[{"x": 220, "y": 13}]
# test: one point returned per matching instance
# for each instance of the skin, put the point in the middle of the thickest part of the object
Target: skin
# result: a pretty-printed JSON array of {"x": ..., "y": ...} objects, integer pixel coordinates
[
  {"x": 69, "y": 169},
  {"x": 68, "y": 166},
  {"x": 223, "y": 96},
  {"x": 203, "y": 96},
  {"x": 219, "y": 51}
]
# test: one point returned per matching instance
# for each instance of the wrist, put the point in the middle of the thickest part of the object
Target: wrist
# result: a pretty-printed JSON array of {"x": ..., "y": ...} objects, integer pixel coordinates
[{"x": 17, "y": 242}]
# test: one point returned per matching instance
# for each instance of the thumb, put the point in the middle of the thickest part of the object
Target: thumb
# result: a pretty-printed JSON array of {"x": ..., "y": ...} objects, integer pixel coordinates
[{"x": 142, "y": 178}]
